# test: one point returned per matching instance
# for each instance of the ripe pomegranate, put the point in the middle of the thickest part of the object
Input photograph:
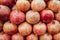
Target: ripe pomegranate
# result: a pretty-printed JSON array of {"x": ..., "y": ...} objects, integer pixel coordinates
[
  {"x": 32, "y": 37},
  {"x": 57, "y": 16},
  {"x": 32, "y": 17},
  {"x": 23, "y": 5},
  {"x": 54, "y": 5},
  {"x": 53, "y": 27},
  {"x": 9, "y": 28},
  {"x": 45, "y": 37},
  {"x": 8, "y": 3},
  {"x": 25, "y": 28},
  {"x": 17, "y": 17},
  {"x": 39, "y": 28},
  {"x": 47, "y": 16},
  {"x": 56, "y": 36},
  {"x": 4, "y": 36},
  {"x": 38, "y": 5},
  {"x": 4, "y": 12},
  {"x": 17, "y": 36}
]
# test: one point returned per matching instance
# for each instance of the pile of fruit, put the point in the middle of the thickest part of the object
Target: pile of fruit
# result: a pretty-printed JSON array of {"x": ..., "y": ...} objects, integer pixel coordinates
[{"x": 29, "y": 20}]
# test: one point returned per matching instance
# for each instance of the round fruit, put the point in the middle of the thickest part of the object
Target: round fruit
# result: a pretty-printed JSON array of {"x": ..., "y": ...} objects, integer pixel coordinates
[
  {"x": 25, "y": 28},
  {"x": 56, "y": 36},
  {"x": 53, "y": 27},
  {"x": 32, "y": 37},
  {"x": 23, "y": 5},
  {"x": 57, "y": 16},
  {"x": 39, "y": 28},
  {"x": 47, "y": 16},
  {"x": 38, "y": 5},
  {"x": 17, "y": 17},
  {"x": 4, "y": 37},
  {"x": 54, "y": 5},
  {"x": 4, "y": 12},
  {"x": 45, "y": 37},
  {"x": 9, "y": 28},
  {"x": 8, "y": 3},
  {"x": 32, "y": 17},
  {"x": 17, "y": 37}
]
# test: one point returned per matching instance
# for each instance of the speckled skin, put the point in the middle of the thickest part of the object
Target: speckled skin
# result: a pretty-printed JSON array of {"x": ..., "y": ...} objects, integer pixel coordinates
[
  {"x": 4, "y": 12},
  {"x": 23, "y": 5},
  {"x": 32, "y": 17},
  {"x": 54, "y": 6},
  {"x": 53, "y": 27},
  {"x": 56, "y": 36},
  {"x": 4, "y": 37},
  {"x": 38, "y": 5},
  {"x": 17, "y": 17},
  {"x": 9, "y": 28},
  {"x": 25, "y": 28},
  {"x": 39, "y": 28},
  {"x": 32, "y": 37},
  {"x": 17, "y": 36},
  {"x": 45, "y": 37},
  {"x": 47, "y": 16}
]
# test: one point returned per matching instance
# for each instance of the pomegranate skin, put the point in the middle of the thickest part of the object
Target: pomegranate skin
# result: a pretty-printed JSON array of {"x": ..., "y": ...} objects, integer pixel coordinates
[
  {"x": 32, "y": 17},
  {"x": 9, "y": 3},
  {"x": 17, "y": 17},
  {"x": 45, "y": 37},
  {"x": 32, "y": 37},
  {"x": 4, "y": 12},
  {"x": 17, "y": 36},
  {"x": 9, "y": 28},
  {"x": 53, "y": 27},
  {"x": 23, "y": 5},
  {"x": 54, "y": 5},
  {"x": 39, "y": 28},
  {"x": 56, "y": 36},
  {"x": 47, "y": 16},
  {"x": 25, "y": 28},
  {"x": 38, "y": 5},
  {"x": 4, "y": 36},
  {"x": 57, "y": 16}
]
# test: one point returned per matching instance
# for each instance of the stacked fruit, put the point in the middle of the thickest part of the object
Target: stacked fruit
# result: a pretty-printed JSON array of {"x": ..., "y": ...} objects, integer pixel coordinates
[{"x": 29, "y": 20}]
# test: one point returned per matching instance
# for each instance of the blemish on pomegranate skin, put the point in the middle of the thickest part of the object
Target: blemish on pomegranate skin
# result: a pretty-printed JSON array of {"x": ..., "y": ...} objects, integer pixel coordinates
[{"x": 48, "y": 18}]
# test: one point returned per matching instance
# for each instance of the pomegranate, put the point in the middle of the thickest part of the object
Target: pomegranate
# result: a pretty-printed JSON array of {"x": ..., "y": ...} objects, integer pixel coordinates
[
  {"x": 54, "y": 5},
  {"x": 17, "y": 36},
  {"x": 47, "y": 16},
  {"x": 23, "y": 5},
  {"x": 4, "y": 12},
  {"x": 45, "y": 37},
  {"x": 39, "y": 28},
  {"x": 56, "y": 36},
  {"x": 9, "y": 28},
  {"x": 53, "y": 27},
  {"x": 38, "y": 5},
  {"x": 32, "y": 17},
  {"x": 4, "y": 37},
  {"x": 17, "y": 17},
  {"x": 25, "y": 28},
  {"x": 57, "y": 16},
  {"x": 32, "y": 37},
  {"x": 8, "y": 3}
]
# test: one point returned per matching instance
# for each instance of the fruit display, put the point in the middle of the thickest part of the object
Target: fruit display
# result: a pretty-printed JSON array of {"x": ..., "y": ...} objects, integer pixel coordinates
[{"x": 29, "y": 19}]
